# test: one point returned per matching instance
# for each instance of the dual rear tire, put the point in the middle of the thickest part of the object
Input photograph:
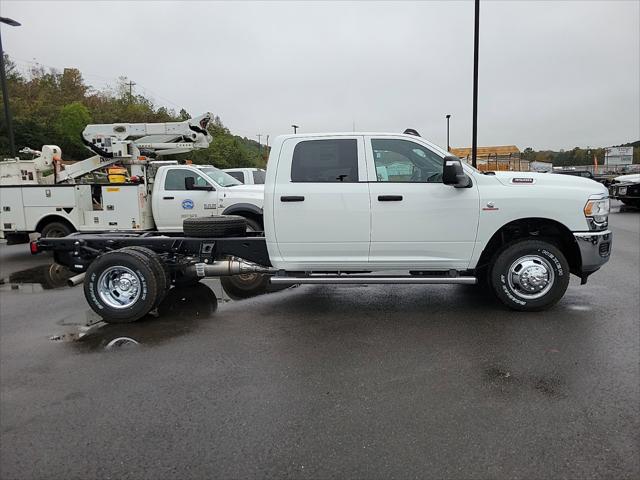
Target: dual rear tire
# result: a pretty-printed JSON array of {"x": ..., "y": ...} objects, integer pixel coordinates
[{"x": 124, "y": 285}]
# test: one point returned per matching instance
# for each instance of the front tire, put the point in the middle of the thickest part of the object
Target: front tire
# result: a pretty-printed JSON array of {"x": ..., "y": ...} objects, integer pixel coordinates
[{"x": 529, "y": 275}]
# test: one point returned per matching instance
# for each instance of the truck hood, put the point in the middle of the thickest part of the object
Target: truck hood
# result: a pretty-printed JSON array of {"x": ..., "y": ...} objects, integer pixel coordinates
[
  {"x": 253, "y": 194},
  {"x": 247, "y": 189},
  {"x": 534, "y": 179},
  {"x": 632, "y": 178}
]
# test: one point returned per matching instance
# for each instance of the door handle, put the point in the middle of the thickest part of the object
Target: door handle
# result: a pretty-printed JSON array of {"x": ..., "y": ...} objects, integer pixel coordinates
[
  {"x": 389, "y": 198},
  {"x": 168, "y": 198},
  {"x": 292, "y": 198}
]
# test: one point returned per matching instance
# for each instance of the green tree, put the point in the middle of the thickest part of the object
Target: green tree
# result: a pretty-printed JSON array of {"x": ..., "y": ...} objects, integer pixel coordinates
[{"x": 72, "y": 119}]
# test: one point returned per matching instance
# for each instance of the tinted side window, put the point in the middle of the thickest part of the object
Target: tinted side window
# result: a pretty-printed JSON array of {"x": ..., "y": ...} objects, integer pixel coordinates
[
  {"x": 259, "y": 177},
  {"x": 405, "y": 161},
  {"x": 175, "y": 179},
  {"x": 237, "y": 175},
  {"x": 325, "y": 161}
]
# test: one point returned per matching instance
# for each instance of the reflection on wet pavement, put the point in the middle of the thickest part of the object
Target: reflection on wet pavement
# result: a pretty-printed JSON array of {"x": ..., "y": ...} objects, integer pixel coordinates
[
  {"x": 180, "y": 312},
  {"x": 42, "y": 277}
]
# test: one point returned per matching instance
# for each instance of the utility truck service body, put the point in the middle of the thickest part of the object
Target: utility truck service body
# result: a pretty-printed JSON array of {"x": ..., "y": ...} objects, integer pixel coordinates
[
  {"x": 367, "y": 208},
  {"x": 145, "y": 194},
  {"x": 162, "y": 202}
]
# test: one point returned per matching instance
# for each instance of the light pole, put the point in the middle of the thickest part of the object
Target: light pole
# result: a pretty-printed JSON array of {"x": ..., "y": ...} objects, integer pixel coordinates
[
  {"x": 476, "y": 41},
  {"x": 5, "y": 92},
  {"x": 448, "y": 147},
  {"x": 295, "y": 128}
]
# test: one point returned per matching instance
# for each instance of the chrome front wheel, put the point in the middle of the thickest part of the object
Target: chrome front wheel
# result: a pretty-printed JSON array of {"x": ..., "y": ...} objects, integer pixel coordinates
[{"x": 531, "y": 276}]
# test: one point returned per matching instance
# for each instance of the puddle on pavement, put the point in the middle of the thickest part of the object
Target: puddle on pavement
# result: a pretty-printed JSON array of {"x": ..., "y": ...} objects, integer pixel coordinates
[
  {"x": 182, "y": 311},
  {"x": 37, "y": 279}
]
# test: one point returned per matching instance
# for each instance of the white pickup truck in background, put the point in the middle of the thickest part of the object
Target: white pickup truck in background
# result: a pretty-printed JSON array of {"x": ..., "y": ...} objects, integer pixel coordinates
[
  {"x": 368, "y": 208},
  {"x": 248, "y": 176}
]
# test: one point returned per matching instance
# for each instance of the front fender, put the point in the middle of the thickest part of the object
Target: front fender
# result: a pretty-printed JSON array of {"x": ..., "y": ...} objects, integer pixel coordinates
[{"x": 238, "y": 208}]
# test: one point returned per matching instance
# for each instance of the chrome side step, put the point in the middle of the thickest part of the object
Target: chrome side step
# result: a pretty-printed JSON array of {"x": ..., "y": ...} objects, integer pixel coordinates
[{"x": 353, "y": 279}]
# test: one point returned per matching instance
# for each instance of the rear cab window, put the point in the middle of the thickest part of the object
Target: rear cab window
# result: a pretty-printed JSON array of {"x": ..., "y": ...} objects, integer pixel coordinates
[
  {"x": 325, "y": 161},
  {"x": 259, "y": 177},
  {"x": 237, "y": 175}
]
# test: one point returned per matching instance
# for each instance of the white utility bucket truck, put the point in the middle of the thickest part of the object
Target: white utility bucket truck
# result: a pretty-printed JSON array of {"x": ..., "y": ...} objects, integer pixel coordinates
[{"x": 126, "y": 186}]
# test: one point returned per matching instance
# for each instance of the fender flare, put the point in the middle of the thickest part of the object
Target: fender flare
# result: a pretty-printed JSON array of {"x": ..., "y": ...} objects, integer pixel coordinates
[
  {"x": 236, "y": 208},
  {"x": 52, "y": 217}
]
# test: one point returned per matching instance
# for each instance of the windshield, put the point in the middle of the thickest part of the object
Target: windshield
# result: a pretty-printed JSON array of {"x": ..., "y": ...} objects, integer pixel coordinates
[{"x": 221, "y": 178}]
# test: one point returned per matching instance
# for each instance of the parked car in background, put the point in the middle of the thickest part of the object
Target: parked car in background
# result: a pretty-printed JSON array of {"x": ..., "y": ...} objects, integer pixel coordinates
[
  {"x": 626, "y": 188},
  {"x": 248, "y": 176},
  {"x": 575, "y": 173}
]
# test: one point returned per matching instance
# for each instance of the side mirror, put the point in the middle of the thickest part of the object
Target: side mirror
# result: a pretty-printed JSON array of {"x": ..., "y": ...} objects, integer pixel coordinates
[
  {"x": 453, "y": 173},
  {"x": 190, "y": 184}
]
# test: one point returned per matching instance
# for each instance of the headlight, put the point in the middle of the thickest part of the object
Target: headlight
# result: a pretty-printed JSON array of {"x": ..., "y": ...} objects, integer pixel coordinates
[
  {"x": 598, "y": 210},
  {"x": 622, "y": 191}
]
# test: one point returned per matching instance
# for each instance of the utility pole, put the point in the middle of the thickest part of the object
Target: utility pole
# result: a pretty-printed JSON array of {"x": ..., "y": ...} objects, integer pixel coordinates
[
  {"x": 131, "y": 84},
  {"x": 476, "y": 41},
  {"x": 448, "y": 146},
  {"x": 5, "y": 91},
  {"x": 267, "y": 140},
  {"x": 295, "y": 128}
]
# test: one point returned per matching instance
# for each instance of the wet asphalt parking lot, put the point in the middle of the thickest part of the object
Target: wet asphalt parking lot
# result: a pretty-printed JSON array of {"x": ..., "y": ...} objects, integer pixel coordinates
[{"x": 323, "y": 381}]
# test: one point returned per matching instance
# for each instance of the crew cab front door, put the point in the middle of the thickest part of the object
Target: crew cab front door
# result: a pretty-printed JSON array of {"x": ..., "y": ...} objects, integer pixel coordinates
[
  {"x": 321, "y": 204},
  {"x": 173, "y": 202},
  {"x": 417, "y": 222}
]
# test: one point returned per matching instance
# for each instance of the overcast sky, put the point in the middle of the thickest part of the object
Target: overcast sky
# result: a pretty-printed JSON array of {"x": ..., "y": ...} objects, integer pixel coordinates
[{"x": 552, "y": 74}]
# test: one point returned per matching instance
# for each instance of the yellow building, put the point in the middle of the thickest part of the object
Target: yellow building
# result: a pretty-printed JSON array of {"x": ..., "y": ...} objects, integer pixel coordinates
[{"x": 500, "y": 157}]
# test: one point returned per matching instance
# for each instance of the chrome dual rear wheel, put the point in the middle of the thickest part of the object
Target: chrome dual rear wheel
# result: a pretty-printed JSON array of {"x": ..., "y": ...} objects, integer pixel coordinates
[{"x": 119, "y": 287}]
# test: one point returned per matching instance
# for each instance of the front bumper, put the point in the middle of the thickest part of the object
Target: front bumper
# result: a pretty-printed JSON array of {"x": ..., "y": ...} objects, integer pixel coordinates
[{"x": 595, "y": 249}]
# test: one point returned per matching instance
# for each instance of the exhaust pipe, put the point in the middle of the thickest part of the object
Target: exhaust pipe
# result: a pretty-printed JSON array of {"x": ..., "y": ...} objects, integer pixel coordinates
[
  {"x": 226, "y": 268},
  {"x": 76, "y": 280}
]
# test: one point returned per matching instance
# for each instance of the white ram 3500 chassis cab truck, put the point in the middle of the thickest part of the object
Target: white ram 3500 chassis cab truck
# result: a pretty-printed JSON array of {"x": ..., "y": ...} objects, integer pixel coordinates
[{"x": 366, "y": 208}]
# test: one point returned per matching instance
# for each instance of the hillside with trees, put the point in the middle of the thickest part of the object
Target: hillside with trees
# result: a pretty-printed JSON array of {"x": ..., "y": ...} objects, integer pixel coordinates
[
  {"x": 576, "y": 156},
  {"x": 53, "y": 107}
]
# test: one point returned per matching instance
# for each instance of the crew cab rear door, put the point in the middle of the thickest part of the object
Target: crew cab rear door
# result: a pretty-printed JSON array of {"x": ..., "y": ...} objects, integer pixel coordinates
[
  {"x": 321, "y": 203},
  {"x": 417, "y": 222}
]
